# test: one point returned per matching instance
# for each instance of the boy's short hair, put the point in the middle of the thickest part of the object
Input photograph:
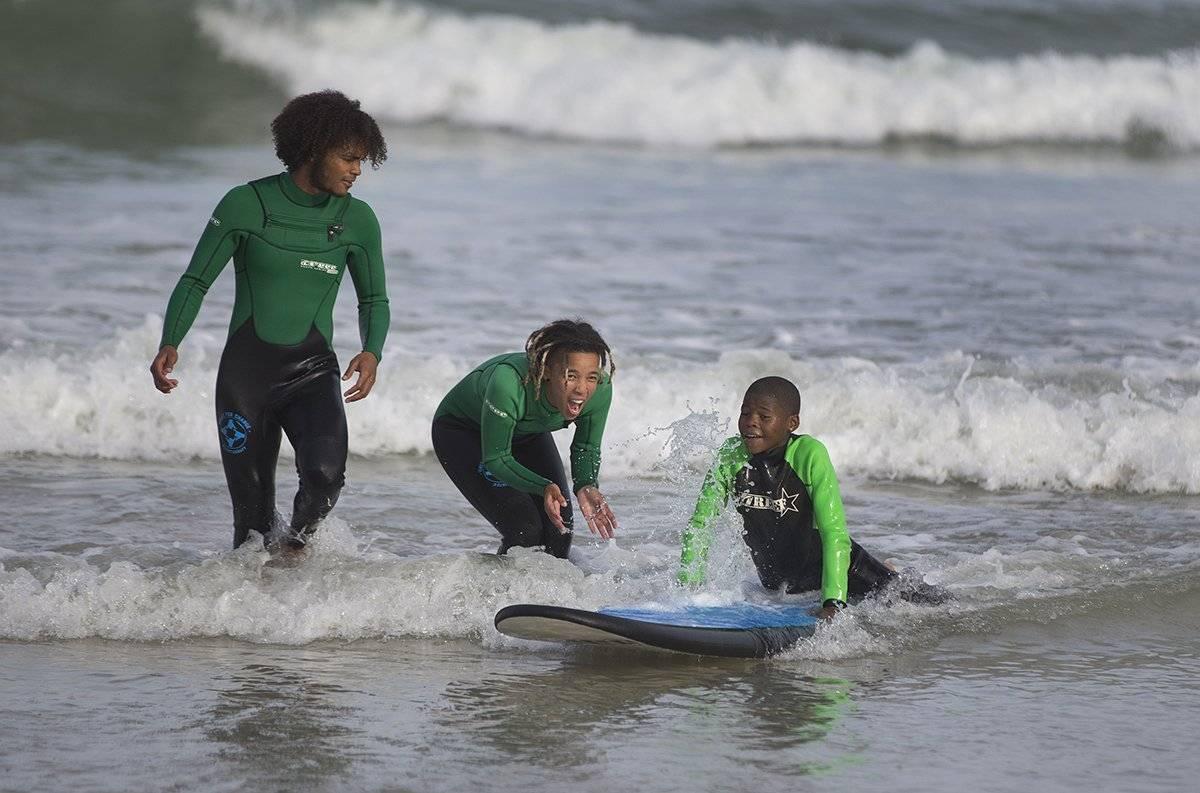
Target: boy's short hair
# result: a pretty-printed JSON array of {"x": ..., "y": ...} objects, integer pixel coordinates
[{"x": 779, "y": 390}]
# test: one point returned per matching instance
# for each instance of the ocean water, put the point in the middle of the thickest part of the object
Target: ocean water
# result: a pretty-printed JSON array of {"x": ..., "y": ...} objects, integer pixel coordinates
[{"x": 965, "y": 230}]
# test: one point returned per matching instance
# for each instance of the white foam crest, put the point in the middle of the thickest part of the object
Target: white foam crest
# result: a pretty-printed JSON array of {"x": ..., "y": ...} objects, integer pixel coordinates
[
  {"x": 340, "y": 592},
  {"x": 345, "y": 590},
  {"x": 935, "y": 421},
  {"x": 608, "y": 82},
  {"x": 1003, "y": 432},
  {"x": 102, "y": 404},
  {"x": 845, "y": 637}
]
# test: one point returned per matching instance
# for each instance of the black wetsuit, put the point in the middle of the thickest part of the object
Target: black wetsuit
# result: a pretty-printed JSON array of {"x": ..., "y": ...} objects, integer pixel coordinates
[
  {"x": 263, "y": 389},
  {"x": 775, "y": 504},
  {"x": 520, "y": 517}
]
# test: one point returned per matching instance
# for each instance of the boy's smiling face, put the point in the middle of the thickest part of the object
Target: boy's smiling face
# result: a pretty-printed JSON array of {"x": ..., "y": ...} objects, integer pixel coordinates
[{"x": 764, "y": 424}]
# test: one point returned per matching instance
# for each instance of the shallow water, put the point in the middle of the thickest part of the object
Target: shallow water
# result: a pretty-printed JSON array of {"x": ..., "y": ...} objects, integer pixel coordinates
[
  {"x": 1066, "y": 660},
  {"x": 1100, "y": 700}
]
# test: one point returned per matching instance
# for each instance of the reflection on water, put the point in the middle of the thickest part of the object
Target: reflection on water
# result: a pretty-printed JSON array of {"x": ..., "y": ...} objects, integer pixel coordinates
[
  {"x": 750, "y": 713},
  {"x": 276, "y": 723}
]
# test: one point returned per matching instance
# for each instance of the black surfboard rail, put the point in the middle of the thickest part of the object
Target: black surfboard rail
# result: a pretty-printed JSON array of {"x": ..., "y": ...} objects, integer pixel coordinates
[{"x": 727, "y": 642}]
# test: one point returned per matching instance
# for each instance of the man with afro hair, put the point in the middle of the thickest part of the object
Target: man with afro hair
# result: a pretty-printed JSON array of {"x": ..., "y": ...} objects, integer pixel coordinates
[{"x": 291, "y": 237}]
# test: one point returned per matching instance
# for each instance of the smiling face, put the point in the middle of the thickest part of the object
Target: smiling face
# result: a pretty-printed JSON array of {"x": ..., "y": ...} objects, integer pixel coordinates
[
  {"x": 336, "y": 171},
  {"x": 570, "y": 381},
  {"x": 764, "y": 424}
]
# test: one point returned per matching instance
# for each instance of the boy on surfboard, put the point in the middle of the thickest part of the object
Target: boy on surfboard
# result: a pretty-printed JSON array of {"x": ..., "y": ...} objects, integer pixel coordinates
[{"x": 786, "y": 490}]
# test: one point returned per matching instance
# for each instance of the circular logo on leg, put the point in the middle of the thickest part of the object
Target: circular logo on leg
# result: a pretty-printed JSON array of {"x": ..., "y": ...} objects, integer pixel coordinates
[{"x": 234, "y": 431}]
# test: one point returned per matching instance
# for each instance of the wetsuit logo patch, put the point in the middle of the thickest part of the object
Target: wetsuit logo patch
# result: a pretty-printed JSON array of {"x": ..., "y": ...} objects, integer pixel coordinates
[
  {"x": 324, "y": 267},
  {"x": 783, "y": 505},
  {"x": 234, "y": 431},
  {"x": 214, "y": 221},
  {"x": 495, "y": 409},
  {"x": 490, "y": 477}
]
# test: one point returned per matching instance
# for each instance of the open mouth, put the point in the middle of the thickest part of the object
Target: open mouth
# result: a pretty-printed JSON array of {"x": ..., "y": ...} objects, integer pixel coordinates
[
  {"x": 574, "y": 406},
  {"x": 755, "y": 442}
]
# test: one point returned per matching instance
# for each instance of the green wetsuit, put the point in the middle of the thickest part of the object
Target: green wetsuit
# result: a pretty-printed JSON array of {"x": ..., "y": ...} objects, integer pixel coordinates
[
  {"x": 289, "y": 250},
  {"x": 278, "y": 372},
  {"x": 792, "y": 516},
  {"x": 492, "y": 436},
  {"x": 494, "y": 399}
]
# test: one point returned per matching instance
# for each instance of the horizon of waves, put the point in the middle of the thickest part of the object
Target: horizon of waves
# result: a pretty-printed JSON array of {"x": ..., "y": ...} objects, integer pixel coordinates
[{"x": 607, "y": 82}]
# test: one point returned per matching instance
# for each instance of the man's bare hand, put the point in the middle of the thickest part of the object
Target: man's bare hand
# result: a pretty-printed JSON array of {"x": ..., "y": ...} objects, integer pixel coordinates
[
  {"x": 162, "y": 365},
  {"x": 365, "y": 363}
]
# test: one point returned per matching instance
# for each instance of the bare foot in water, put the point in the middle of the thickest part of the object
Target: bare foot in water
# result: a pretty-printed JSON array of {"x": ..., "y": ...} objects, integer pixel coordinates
[{"x": 286, "y": 554}]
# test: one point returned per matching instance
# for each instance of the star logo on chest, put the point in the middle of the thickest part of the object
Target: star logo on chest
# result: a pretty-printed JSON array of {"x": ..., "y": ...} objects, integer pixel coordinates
[{"x": 786, "y": 502}]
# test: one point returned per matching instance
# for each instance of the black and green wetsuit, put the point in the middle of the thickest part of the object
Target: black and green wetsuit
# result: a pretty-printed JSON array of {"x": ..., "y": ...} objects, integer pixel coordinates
[
  {"x": 792, "y": 518},
  {"x": 491, "y": 433},
  {"x": 278, "y": 372}
]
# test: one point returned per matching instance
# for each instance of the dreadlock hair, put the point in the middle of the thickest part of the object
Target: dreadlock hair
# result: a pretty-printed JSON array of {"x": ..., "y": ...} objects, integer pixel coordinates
[
  {"x": 779, "y": 390},
  {"x": 560, "y": 337},
  {"x": 312, "y": 124}
]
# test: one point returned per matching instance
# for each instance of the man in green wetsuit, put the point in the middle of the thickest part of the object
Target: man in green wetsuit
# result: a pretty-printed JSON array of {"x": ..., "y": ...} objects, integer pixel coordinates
[
  {"x": 491, "y": 434},
  {"x": 786, "y": 491},
  {"x": 291, "y": 236}
]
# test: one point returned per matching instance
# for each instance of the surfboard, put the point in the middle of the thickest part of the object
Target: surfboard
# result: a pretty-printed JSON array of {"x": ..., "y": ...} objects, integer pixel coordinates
[{"x": 746, "y": 630}]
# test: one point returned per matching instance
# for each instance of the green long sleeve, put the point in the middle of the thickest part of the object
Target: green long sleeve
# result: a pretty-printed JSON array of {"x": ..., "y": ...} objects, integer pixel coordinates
[
  {"x": 365, "y": 262},
  {"x": 224, "y": 232},
  {"x": 585, "y": 444},
  {"x": 714, "y": 494},
  {"x": 809, "y": 458},
  {"x": 504, "y": 400}
]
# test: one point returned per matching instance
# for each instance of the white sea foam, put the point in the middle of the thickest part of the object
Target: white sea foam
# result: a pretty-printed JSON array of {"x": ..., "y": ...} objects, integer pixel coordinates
[
  {"x": 608, "y": 82},
  {"x": 927, "y": 422},
  {"x": 343, "y": 592},
  {"x": 989, "y": 589},
  {"x": 346, "y": 590}
]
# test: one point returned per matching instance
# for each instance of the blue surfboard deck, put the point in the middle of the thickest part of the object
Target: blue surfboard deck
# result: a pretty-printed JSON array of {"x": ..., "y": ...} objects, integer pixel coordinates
[{"x": 745, "y": 630}]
